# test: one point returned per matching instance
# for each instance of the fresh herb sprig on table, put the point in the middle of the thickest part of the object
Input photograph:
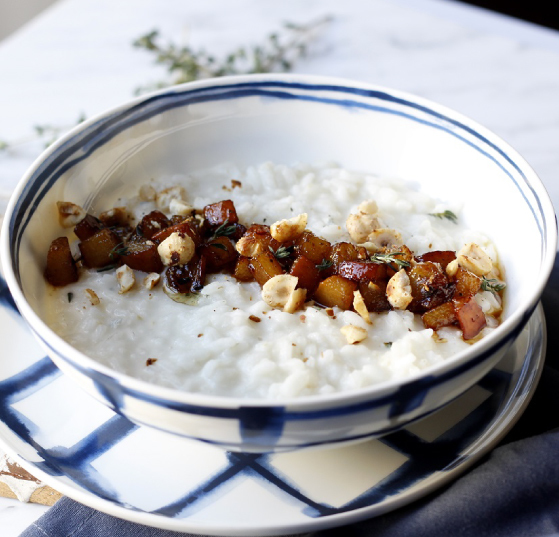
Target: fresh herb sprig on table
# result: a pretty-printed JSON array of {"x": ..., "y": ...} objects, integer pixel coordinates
[
  {"x": 277, "y": 54},
  {"x": 48, "y": 133}
]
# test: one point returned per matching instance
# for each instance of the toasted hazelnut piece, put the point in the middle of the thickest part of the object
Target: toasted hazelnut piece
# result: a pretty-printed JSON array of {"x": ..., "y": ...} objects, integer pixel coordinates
[
  {"x": 382, "y": 238},
  {"x": 353, "y": 334},
  {"x": 93, "y": 298},
  {"x": 360, "y": 307},
  {"x": 248, "y": 246},
  {"x": 118, "y": 216},
  {"x": 368, "y": 207},
  {"x": 126, "y": 279},
  {"x": 452, "y": 268},
  {"x": 180, "y": 207},
  {"x": 359, "y": 226},
  {"x": 151, "y": 280},
  {"x": 177, "y": 249},
  {"x": 473, "y": 258},
  {"x": 362, "y": 223},
  {"x": 69, "y": 214},
  {"x": 295, "y": 301},
  {"x": 163, "y": 199},
  {"x": 398, "y": 290},
  {"x": 290, "y": 229},
  {"x": 147, "y": 193},
  {"x": 277, "y": 291}
]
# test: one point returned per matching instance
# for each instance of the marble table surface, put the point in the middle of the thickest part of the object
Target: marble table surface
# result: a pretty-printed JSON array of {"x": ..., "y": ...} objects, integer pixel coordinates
[{"x": 76, "y": 59}]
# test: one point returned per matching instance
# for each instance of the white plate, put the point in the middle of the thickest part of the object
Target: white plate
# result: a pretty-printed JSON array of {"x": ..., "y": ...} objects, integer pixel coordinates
[{"x": 81, "y": 448}]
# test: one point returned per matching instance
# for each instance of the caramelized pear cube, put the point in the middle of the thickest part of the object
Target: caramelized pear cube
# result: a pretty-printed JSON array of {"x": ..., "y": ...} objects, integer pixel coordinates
[
  {"x": 307, "y": 273},
  {"x": 61, "y": 269},
  {"x": 100, "y": 250},
  {"x": 467, "y": 285},
  {"x": 256, "y": 240},
  {"x": 264, "y": 267},
  {"x": 313, "y": 247},
  {"x": 153, "y": 223},
  {"x": 242, "y": 269},
  {"x": 430, "y": 287},
  {"x": 442, "y": 257},
  {"x": 471, "y": 319},
  {"x": 143, "y": 256},
  {"x": 374, "y": 296},
  {"x": 88, "y": 227},
  {"x": 218, "y": 213},
  {"x": 443, "y": 315},
  {"x": 335, "y": 291},
  {"x": 219, "y": 253},
  {"x": 187, "y": 227},
  {"x": 363, "y": 271}
]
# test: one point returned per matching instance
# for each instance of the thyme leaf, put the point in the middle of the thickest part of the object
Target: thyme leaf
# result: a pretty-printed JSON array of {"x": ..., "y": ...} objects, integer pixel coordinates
[
  {"x": 277, "y": 53},
  {"x": 224, "y": 230},
  {"x": 325, "y": 264},
  {"x": 492, "y": 284},
  {"x": 389, "y": 259},
  {"x": 219, "y": 245},
  {"x": 449, "y": 215},
  {"x": 106, "y": 268},
  {"x": 119, "y": 249},
  {"x": 70, "y": 297},
  {"x": 282, "y": 252}
]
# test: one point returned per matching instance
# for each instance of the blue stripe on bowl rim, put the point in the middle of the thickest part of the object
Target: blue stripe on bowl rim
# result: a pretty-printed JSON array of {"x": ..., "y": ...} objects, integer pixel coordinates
[
  {"x": 75, "y": 461},
  {"x": 98, "y": 133},
  {"x": 264, "y": 424}
]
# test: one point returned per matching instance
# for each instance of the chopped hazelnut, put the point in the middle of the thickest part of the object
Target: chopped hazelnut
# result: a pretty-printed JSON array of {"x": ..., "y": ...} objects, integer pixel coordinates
[
  {"x": 353, "y": 334},
  {"x": 69, "y": 214}
]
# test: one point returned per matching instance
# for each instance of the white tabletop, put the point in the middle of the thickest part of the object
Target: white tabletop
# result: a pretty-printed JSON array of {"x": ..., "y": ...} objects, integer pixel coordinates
[{"x": 76, "y": 58}]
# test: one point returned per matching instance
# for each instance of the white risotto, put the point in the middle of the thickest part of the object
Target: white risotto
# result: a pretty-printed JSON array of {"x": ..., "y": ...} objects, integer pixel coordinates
[{"x": 232, "y": 343}]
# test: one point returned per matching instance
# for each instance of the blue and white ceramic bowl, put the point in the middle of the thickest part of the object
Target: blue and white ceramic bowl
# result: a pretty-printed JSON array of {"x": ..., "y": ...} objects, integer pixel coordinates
[{"x": 286, "y": 118}]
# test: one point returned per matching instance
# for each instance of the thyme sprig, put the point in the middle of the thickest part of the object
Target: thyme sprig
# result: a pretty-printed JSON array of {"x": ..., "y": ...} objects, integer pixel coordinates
[
  {"x": 389, "y": 259},
  {"x": 282, "y": 252},
  {"x": 277, "y": 54},
  {"x": 119, "y": 249},
  {"x": 449, "y": 215},
  {"x": 106, "y": 268},
  {"x": 224, "y": 230},
  {"x": 325, "y": 264},
  {"x": 492, "y": 284}
]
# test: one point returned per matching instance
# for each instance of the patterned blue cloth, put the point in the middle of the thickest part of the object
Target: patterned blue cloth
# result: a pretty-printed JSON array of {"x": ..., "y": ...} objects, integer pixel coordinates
[{"x": 512, "y": 492}]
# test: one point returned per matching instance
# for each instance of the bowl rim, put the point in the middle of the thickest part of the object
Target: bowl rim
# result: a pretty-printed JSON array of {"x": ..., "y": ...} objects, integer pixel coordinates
[{"x": 486, "y": 346}]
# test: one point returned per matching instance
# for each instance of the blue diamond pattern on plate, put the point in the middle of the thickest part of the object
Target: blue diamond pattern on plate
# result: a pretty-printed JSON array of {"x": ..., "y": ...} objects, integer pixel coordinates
[{"x": 88, "y": 452}]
